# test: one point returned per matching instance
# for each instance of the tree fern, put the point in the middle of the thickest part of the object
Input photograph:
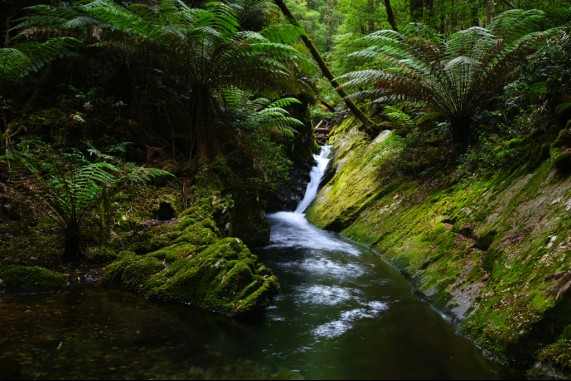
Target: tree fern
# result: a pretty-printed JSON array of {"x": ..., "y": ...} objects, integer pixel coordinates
[
  {"x": 259, "y": 125},
  {"x": 262, "y": 114},
  {"x": 197, "y": 51},
  {"x": 252, "y": 14},
  {"x": 68, "y": 185},
  {"x": 454, "y": 76}
]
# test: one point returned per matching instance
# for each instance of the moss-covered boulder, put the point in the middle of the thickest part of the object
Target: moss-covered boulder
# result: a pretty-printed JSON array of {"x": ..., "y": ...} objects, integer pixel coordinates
[
  {"x": 189, "y": 261},
  {"x": 20, "y": 279},
  {"x": 492, "y": 251}
]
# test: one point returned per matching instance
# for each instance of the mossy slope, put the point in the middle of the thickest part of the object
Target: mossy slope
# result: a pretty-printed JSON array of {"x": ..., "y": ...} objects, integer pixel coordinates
[{"x": 495, "y": 252}]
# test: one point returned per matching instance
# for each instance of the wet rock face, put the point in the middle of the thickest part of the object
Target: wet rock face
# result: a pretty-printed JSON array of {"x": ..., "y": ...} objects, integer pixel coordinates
[
  {"x": 288, "y": 196},
  {"x": 247, "y": 220}
]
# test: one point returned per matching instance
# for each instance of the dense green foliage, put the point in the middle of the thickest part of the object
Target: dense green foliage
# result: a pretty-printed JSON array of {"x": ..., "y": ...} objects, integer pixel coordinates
[
  {"x": 189, "y": 53},
  {"x": 198, "y": 89}
]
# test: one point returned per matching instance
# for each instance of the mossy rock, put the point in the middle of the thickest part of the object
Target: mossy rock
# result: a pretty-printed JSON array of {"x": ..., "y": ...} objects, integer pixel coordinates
[
  {"x": 19, "y": 279},
  {"x": 224, "y": 277},
  {"x": 554, "y": 361},
  {"x": 490, "y": 249},
  {"x": 561, "y": 161},
  {"x": 563, "y": 112},
  {"x": 131, "y": 271},
  {"x": 189, "y": 262}
]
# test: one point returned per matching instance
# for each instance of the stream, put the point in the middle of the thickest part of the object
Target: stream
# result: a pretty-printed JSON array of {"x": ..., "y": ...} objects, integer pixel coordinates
[{"x": 342, "y": 313}]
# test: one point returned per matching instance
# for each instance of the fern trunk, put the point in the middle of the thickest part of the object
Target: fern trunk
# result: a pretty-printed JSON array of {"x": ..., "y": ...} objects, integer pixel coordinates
[
  {"x": 391, "y": 15},
  {"x": 461, "y": 133},
  {"x": 72, "y": 243}
]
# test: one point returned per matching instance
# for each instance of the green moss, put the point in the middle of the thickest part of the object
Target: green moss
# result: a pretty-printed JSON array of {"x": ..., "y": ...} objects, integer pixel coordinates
[
  {"x": 174, "y": 252},
  {"x": 561, "y": 160},
  {"x": 220, "y": 278},
  {"x": 31, "y": 279},
  {"x": 138, "y": 273},
  {"x": 187, "y": 261},
  {"x": 558, "y": 356},
  {"x": 563, "y": 111},
  {"x": 197, "y": 234},
  {"x": 113, "y": 272}
]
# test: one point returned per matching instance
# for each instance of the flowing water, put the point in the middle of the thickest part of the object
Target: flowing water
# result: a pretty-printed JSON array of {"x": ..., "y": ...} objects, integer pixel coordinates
[{"x": 342, "y": 313}]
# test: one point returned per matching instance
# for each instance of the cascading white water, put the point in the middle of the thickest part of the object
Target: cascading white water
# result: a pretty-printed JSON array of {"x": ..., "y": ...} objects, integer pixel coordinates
[
  {"x": 291, "y": 229},
  {"x": 315, "y": 178}
]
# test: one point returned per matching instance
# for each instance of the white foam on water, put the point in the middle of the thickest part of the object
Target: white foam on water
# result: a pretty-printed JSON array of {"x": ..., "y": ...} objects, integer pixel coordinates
[
  {"x": 325, "y": 266},
  {"x": 291, "y": 230},
  {"x": 347, "y": 319},
  {"x": 324, "y": 295}
]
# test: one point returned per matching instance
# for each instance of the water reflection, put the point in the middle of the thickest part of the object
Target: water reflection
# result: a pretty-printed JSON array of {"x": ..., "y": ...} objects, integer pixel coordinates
[
  {"x": 364, "y": 324},
  {"x": 88, "y": 333}
]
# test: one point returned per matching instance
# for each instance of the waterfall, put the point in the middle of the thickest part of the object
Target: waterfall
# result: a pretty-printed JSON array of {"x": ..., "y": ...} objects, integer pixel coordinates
[{"x": 315, "y": 178}]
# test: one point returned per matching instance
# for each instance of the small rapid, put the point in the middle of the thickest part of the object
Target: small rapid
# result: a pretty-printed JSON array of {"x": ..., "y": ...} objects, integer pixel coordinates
[{"x": 291, "y": 229}]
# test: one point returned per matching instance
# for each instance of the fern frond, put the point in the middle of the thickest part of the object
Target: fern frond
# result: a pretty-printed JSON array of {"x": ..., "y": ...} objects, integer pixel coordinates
[
  {"x": 468, "y": 42},
  {"x": 252, "y": 11},
  {"x": 283, "y": 33},
  {"x": 14, "y": 64},
  {"x": 514, "y": 23},
  {"x": 139, "y": 175},
  {"x": 284, "y": 102},
  {"x": 454, "y": 76},
  {"x": 397, "y": 115}
]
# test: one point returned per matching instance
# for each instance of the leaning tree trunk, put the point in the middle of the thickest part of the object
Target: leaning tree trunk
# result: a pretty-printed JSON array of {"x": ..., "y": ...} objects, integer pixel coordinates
[
  {"x": 391, "y": 15},
  {"x": 368, "y": 124}
]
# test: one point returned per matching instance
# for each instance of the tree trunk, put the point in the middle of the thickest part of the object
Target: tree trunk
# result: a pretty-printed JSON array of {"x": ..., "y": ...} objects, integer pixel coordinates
[
  {"x": 329, "y": 25},
  {"x": 368, "y": 124},
  {"x": 391, "y": 15},
  {"x": 416, "y": 8},
  {"x": 430, "y": 5},
  {"x": 329, "y": 107},
  {"x": 509, "y": 4},
  {"x": 490, "y": 11},
  {"x": 371, "y": 11},
  {"x": 474, "y": 14}
]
